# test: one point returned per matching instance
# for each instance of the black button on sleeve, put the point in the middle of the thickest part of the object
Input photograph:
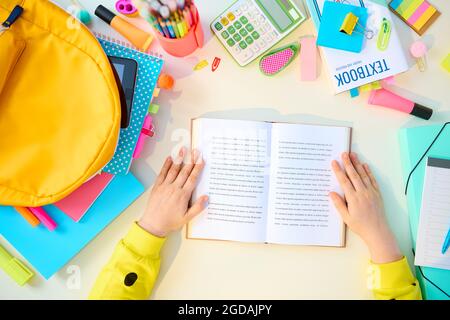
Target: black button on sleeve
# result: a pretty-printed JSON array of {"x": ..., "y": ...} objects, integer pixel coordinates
[{"x": 130, "y": 279}]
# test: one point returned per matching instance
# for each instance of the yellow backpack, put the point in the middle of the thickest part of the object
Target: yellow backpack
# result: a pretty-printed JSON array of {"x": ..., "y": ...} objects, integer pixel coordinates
[{"x": 59, "y": 104}]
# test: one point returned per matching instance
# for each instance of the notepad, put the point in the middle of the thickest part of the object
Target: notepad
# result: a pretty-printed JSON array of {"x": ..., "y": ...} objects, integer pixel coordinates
[
  {"x": 434, "y": 221},
  {"x": 268, "y": 182},
  {"x": 47, "y": 251}
]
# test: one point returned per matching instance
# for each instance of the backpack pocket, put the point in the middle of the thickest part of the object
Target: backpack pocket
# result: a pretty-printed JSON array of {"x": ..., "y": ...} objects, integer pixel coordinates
[{"x": 10, "y": 51}]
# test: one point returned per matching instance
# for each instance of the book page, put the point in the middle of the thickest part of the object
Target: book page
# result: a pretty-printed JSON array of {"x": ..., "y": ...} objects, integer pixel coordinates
[
  {"x": 235, "y": 178},
  {"x": 300, "y": 211},
  {"x": 434, "y": 221}
]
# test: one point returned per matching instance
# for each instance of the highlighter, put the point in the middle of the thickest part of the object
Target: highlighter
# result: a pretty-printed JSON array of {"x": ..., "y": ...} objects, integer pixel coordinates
[
  {"x": 385, "y": 98},
  {"x": 139, "y": 38}
]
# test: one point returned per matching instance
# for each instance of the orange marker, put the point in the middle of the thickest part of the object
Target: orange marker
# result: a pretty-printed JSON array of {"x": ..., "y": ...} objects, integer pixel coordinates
[
  {"x": 27, "y": 215},
  {"x": 139, "y": 38}
]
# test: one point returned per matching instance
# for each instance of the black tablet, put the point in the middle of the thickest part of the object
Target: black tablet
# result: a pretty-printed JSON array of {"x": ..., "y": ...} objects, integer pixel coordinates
[{"x": 125, "y": 72}]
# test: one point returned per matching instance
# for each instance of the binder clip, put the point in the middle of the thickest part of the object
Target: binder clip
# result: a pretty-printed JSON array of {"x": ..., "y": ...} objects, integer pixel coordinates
[{"x": 350, "y": 23}]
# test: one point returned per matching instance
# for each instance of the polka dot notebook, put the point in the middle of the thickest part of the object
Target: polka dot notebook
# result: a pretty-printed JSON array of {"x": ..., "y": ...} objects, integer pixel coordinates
[{"x": 149, "y": 69}]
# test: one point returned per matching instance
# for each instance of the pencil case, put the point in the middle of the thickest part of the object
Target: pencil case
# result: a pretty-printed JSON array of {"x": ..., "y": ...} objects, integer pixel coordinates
[{"x": 184, "y": 46}]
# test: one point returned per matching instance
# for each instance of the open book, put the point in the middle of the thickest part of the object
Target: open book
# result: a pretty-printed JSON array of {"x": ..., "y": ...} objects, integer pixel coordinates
[{"x": 268, "y": 182}]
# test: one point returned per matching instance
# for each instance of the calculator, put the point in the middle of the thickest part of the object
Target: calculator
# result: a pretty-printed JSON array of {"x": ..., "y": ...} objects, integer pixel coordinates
[{"x": 248, "y": 28}]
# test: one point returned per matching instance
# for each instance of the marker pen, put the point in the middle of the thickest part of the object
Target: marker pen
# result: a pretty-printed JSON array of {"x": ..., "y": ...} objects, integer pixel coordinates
[
  {"x": 136, "y": 36},
  {"x": 385, "y": 98}
]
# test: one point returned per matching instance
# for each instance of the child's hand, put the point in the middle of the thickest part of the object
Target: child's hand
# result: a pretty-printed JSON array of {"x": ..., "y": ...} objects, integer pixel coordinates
[
  {"x": 168, "y": 207},
  {"x": 363, "y": 210}
]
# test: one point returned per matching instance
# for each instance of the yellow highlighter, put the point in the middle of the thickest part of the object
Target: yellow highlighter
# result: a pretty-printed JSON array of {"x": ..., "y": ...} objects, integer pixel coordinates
[{"x": 14, "y": 268}]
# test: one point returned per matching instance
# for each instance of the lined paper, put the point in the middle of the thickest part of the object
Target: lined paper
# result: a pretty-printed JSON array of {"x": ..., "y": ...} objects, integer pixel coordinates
[{"x": 434, "y": 221}]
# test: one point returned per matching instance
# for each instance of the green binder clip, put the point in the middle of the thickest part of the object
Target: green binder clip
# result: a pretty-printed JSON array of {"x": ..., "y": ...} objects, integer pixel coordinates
[
  {"x": 14, "y": 268},
  {"x": 384, "y": 35}
]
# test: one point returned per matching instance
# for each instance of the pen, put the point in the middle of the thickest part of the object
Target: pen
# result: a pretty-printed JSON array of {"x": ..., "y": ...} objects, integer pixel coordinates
[
  {"x": 174, "y": 25},
  {"x": 44, "y": 217},
  {"x": 14, "y": 268},
  {"x": 446, "y": 242},
  {"x": 28, "y": 216}
]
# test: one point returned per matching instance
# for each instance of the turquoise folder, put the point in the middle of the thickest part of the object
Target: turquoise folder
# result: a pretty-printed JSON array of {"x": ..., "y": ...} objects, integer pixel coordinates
[
  {"x": 49, "y": 251},
  {"x": 413, "y": 143}
]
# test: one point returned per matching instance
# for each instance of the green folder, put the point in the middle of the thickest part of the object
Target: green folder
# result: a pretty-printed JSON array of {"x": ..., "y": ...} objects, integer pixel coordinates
[{"x": 413, "y": 143}]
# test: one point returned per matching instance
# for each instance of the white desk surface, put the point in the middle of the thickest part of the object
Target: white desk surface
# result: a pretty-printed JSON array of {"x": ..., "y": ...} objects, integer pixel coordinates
[{"x": 222, "y": 270}]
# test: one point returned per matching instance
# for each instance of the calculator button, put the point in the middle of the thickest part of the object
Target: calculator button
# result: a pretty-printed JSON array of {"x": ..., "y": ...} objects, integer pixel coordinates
[
  {"x": 231, "y": 30},
  {"x": 224, "y": 21},
  {"x": 261, "y": 19},
  {"x": 237, "y": 12},
  {"x": 244, "y": 19},
  {"x": 256, "y": 23},
  {"x": 249, "y": 40},
  {"x": 237, "y": 49},
  {"x": 218, "y": 26},
  {"x": 249, "y": 27},
  {"x": 255, "y": 50},
  {"x": 230, "y": 42},
  {"x": 231, "y": 16},
  {"x": 246, "y": 55},
  {"x": 237, "y": 37},
  {"x": 274, "y": 34},
  {"x": 242, "y": 44},
  {"x": 237, "y": 25},
  {"x": 268, "y": 38},
  {"x": 243, "y": 32},
  {"x": 255, "y": 35},
  {"x": 225, "y": 34}
]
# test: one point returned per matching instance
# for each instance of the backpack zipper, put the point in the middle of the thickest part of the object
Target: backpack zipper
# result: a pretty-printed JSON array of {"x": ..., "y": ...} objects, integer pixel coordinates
[{"x": 17, "y": 11}]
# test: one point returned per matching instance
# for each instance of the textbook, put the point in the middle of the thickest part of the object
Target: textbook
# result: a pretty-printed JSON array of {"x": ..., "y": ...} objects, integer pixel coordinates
[
  {"x": 349, "y": 70},
  {"x": 268, "y": 182}
]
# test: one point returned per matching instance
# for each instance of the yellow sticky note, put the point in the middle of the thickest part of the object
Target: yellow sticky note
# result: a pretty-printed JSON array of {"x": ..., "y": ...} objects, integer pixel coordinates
[
  {"x": 446, "y": 63},
  {"x": 376, "y": 85},
  {"x": 200, "y": 65},
  {"x": 366, "y": 87}
]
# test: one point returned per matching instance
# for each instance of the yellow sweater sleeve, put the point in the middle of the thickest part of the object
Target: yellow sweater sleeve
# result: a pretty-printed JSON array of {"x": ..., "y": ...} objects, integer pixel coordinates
[
  {"x": 132, "y": 270},
  {"x": 394, "y": 280}
]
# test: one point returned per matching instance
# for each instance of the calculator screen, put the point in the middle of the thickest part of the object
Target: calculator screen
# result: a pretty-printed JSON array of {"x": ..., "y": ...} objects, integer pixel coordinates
[{"x": 275, "y": 11}]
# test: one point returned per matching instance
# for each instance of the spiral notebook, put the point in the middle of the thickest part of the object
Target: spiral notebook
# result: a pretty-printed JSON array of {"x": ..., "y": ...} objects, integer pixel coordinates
[{"x": 148, "y": 71}]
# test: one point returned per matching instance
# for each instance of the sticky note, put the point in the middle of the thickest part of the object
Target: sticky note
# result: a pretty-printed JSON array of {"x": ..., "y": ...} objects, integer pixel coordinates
[
  {"x": 354, "y": 92},
  {"x": 446, "y": 63}
]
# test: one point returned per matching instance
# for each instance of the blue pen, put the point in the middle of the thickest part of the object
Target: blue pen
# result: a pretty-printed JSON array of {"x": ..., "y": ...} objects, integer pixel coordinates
[{"x": 446, "y": 242}]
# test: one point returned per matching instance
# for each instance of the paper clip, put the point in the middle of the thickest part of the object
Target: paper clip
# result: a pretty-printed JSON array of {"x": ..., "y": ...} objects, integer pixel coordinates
[
  {"x": 384, "y": 35},
  {"x": 349, "y": 25}
]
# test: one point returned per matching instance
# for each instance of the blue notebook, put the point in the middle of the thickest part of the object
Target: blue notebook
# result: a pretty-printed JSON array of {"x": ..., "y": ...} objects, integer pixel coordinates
[
  {"x": 149, "y": 69},
  {"x": 49, "y": 251},
  {"x": 413, "y": 143}
]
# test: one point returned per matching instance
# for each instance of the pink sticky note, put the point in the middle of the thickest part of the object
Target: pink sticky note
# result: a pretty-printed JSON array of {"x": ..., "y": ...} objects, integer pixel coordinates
[
  {"x": 388, "y": 80},
  {"x": 78, "y": 202},
  {"x": 308, "y": 58}
]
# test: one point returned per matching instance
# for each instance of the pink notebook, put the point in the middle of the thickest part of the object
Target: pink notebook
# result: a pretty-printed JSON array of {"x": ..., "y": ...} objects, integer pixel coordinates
[{"x": 78, "y": 202}]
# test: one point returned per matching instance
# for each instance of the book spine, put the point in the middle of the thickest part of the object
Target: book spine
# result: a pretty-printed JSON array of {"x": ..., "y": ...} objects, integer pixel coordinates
[{"x": 126, "y": 44}]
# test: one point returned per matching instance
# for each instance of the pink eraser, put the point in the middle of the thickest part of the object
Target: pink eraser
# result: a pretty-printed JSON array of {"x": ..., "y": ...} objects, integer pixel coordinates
[
  {"x": 43, "y": 217},
  {"x": 308, "y": 59}
]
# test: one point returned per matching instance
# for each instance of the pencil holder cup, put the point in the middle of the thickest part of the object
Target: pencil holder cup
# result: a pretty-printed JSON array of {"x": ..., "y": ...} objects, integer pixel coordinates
[{"x": 186, "y": 45}]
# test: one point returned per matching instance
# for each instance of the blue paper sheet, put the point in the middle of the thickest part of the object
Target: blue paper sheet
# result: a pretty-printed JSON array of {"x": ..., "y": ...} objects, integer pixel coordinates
[
  {"x": 333, "y": 15},
  {"x": 413, "y": 143},
  {"x": 49, "y": 251}
]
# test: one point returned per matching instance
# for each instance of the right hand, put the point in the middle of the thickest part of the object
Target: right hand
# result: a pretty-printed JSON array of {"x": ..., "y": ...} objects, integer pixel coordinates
[
  {"x": 363, "y": 210},
  {"x": 168, "y": 206}
]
